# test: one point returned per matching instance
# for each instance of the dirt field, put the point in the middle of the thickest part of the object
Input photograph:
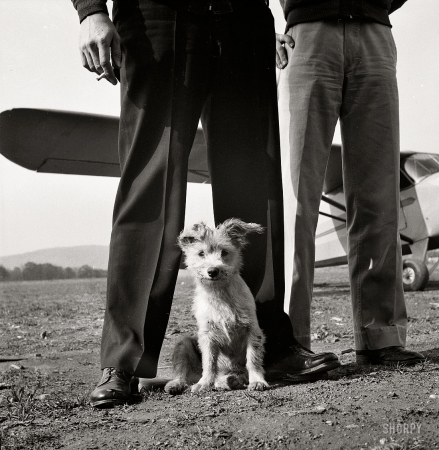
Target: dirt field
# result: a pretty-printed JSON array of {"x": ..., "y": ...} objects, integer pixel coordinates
[{"x": 55, "y": 327}]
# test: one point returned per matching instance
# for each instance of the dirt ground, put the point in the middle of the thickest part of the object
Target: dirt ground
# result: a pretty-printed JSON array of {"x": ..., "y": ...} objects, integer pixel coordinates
[{"x": 55, "y": 328}]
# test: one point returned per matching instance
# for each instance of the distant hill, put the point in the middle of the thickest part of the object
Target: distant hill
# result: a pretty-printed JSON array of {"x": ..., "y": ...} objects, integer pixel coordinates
[{"x": 95, "y": 256}]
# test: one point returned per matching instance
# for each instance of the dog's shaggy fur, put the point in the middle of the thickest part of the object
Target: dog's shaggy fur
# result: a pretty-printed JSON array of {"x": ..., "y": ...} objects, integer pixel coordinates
[{"x": 228, "y": 353}]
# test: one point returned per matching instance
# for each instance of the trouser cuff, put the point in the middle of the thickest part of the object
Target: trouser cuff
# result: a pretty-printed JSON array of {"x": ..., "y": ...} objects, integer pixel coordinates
[
  {"x": 304, "y": 340},
  {"x": 377, "y": 338},
  {"x": 145, "y": 367}
]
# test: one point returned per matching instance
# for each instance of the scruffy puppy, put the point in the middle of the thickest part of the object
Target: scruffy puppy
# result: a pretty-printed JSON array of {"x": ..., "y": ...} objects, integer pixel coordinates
[{"x": 228, "y": 353}]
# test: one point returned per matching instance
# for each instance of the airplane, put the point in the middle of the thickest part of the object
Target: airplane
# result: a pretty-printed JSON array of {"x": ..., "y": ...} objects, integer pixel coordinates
[{"x": 65, "y": 142}]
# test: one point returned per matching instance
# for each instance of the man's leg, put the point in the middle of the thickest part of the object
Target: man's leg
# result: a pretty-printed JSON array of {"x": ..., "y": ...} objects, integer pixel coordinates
[
  {"x": 370, "y": 133},
  {"x": 240, "y": 119},
  {"x": 164, "y": 80},
  {"x": 310, "y": 93}
]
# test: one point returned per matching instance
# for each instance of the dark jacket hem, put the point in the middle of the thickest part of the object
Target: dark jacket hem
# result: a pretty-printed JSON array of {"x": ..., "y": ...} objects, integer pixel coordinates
[{"x": 298, "y": 11}]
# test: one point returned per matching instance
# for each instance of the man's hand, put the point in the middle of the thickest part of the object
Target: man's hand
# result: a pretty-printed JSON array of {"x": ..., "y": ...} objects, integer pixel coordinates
[
  {"x": 97, "y": 37},
  {"x": 281, "y": 53}
]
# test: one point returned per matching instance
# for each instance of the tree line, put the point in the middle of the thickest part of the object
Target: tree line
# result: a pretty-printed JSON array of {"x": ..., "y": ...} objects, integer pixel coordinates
[{"x": 32, "y": 271}]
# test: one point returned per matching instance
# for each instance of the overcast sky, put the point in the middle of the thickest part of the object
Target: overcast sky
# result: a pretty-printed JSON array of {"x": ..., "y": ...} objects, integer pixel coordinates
[{"x": 40, "y": 68}]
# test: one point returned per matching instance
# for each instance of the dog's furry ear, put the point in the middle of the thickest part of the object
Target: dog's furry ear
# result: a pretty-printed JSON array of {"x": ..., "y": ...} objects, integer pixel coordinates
[
  {"x": 191, "y": 235},
  {"x": 237, "y": 230}
]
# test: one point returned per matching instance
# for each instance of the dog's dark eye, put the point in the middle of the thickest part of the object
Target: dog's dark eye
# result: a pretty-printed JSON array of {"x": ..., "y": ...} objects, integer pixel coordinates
[
  {"x": 224, "y": 253},
  {"x": 201, "y": 253}
]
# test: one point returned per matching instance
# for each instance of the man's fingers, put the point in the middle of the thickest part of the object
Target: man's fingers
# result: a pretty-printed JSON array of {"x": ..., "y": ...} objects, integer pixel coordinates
[
  {"x": 279, "y": 63},
  {"x": 281, "y": 57},
  {"x": 93, "y": 50},
  {"x": 281, "y": 53},
  {"x": 90, "y": 64},
  {"x": 285, "y": 39},
  {"x": 85, "y": 62},
  {"x": 104, "y": 60}
]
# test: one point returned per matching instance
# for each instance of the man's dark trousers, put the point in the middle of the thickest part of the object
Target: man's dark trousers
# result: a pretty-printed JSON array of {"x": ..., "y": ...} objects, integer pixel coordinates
[{"x": 178, "y": 66}]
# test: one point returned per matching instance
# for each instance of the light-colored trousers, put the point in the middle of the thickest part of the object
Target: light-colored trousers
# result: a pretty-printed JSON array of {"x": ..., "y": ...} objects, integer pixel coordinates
[{"x": 344, "y": 70}]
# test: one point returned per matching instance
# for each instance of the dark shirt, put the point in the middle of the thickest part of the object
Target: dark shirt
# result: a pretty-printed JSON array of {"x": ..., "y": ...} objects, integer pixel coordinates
[
  {"x": 88, "y": 7},
  {"x": 298, "y": 11}
]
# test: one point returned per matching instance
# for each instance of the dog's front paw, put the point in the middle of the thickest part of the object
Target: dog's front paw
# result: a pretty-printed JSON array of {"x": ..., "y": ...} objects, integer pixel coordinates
[
  {"x": 175, "y": 387},
  {"x": 258, "y": 386},
  {"x": 237, "y": 381},
  {"x": 200, "y": 387}
]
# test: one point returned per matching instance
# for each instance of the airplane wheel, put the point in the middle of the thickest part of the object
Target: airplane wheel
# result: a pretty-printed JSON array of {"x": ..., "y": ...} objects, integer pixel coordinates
[{"x": 414, "y": 275}]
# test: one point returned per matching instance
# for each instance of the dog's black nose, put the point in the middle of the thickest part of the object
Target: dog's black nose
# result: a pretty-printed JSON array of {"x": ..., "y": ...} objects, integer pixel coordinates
[{"x": 212, "y": 272}]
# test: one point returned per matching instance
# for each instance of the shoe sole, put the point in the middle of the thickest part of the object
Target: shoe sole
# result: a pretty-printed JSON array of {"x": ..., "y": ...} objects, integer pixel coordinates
[
  {"x": 305, "y": 374},
  {"x": 101, "y": 404},
  {"x": 363, "y": 360},
  {"x": 111, "y": 403},
  {"x": 309, "y": 378}
]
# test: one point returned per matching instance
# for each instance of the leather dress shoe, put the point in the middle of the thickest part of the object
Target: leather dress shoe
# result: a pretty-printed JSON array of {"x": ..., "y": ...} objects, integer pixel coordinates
[
  {"x": 389, "y": 356},
  {"x": 300, "y": 364},
  {"x": 113, "y": 389}
]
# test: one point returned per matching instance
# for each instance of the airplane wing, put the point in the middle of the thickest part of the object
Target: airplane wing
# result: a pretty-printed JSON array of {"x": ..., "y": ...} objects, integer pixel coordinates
[{"x": 75, "y": 143}]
